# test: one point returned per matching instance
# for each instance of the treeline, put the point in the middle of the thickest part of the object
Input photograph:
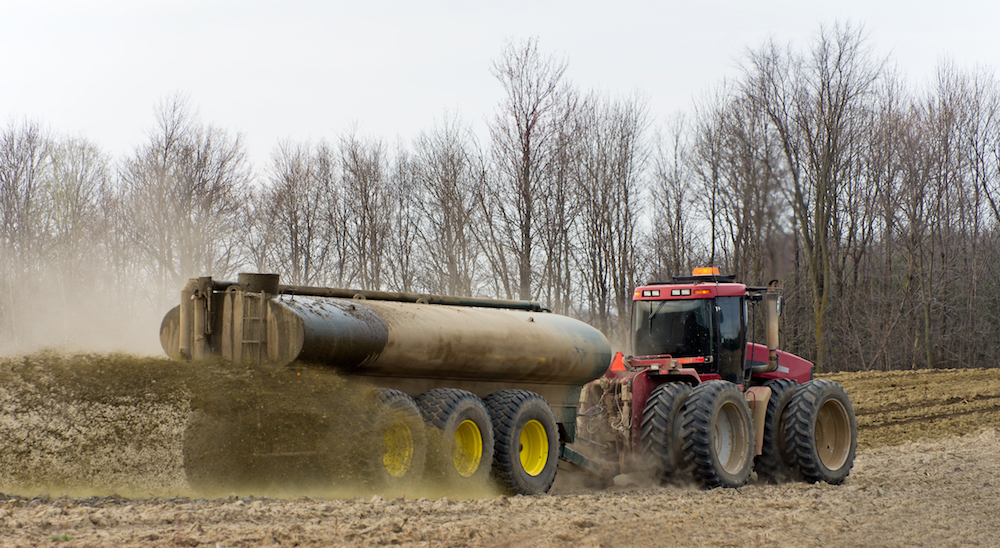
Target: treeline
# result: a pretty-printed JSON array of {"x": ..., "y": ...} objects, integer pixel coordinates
[{"x": 874, "y": 204}]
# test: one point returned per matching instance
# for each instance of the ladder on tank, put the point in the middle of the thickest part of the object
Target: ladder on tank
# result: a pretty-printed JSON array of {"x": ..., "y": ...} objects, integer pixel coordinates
[{"x": 254, "y": 332}]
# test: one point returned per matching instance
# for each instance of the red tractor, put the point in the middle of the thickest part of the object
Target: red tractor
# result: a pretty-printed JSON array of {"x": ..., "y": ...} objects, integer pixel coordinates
[{"x": 700, "y": 398}]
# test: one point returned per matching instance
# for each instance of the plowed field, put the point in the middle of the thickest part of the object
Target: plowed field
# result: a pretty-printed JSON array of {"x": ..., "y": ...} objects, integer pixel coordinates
[{"x": 90, "y": 455}]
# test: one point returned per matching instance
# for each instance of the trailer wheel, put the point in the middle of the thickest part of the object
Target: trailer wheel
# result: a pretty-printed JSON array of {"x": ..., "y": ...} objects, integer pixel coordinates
[
  {"x": 717, "y": 439},
  {"x": 772, "y": 463},
  {"x": 822, "y": 434},
  {"x": 465, "y": 450},
  {"x": 400, "y": 428},
  {"x": 661, "y": 438},
  {"x": 526, "y": 442}
]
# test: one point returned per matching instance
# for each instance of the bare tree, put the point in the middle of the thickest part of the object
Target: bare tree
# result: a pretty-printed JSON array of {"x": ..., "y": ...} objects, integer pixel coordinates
[
  {"x": 367, "y": 202},
  {"x": 407, "y": 218},
  {"x": 815, "y": 106},
  {"x": 492, "y": 232},
  {"x": 980, "y": 129},
  {"x": 448, "y": 171},
  {"x": 524, "y": 131},
  {"x": 54, "y": 273},
  {"x": 671, "y": 239},
  {"x": 560, "y": 207},
  {"x": 610, "y": 182},
  {"x": 871, "y": 323},
  {"x": 749, "y": 191},
  {"x": 24, "y": 151},
  {"x": 705, "y": 160},
  {"x": 76, "y": 273},
  {"x": 185, "y": 196},
  {"x": 79, "y": 174},
  {"x": 292, "y": 227}
]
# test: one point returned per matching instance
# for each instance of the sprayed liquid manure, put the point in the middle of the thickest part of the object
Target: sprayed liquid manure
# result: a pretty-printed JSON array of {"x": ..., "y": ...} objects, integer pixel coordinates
[{"x": 100, "y": 424}]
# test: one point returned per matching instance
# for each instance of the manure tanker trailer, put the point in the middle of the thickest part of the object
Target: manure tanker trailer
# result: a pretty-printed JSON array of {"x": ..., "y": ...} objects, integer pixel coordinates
[
  {"x": 496, "y": 382},
  {"x": 467, "y": 389}
]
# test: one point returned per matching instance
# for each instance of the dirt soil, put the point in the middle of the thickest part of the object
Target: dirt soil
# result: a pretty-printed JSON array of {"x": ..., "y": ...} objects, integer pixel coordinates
[{"x": 75, "y": 435}]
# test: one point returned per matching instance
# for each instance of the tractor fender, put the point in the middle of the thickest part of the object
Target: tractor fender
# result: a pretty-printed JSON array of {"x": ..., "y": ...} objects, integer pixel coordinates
[{"x": 757, "y": 398}]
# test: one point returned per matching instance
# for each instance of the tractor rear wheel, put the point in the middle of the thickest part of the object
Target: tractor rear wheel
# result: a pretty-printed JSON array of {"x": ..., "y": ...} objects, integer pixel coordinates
[
  {"x": 400, "y": 428},
  {"x": 465, "y": 450},
  {"x": 718, "y": 441},
  {"x": 526, "y": 442},
  {"x": 821, "y": 434},
  {"x": 772, "y": 463},
  {"x": 661, "y": 437}
]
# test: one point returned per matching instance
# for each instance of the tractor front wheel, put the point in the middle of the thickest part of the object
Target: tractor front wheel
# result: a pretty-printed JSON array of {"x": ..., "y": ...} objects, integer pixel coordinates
[
  {"x": 661, "y": 437},
  {"x": 718, "y": 441}
]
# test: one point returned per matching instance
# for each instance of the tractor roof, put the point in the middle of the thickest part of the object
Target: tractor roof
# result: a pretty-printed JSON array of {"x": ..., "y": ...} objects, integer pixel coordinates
[{"x": 693, "y": 287}]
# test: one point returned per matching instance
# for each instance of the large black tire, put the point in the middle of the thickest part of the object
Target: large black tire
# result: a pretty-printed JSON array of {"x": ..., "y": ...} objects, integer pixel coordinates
[
  {"x": 526, "y": 442},
  {"x": 718, "y": 438},
  {"x": 662, "y": 442},
  {"x": 822, "y": 434},
  {"x": 465, "y": 449},
  {"x": 772, "y": 464},
  {"x": 400, "y": 429}
]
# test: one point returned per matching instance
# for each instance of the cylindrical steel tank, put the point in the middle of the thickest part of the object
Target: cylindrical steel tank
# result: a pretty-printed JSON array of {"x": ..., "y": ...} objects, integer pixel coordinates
[
  {"x": 394, "y": 339},
  {"x": 412, "y": 346}
]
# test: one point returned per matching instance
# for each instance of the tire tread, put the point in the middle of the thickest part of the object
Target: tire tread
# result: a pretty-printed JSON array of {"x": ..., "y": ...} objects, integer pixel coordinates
[
  {"x": 503, "y": 407},
  {"x": 662, "y": 410},
  {"x": 800, "y": 432},
  {"x": 697, "y": 428}
]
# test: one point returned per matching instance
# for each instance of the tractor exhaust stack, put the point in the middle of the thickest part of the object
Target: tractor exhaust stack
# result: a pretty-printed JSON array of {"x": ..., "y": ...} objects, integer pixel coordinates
[{"x": 772, "y": 298}]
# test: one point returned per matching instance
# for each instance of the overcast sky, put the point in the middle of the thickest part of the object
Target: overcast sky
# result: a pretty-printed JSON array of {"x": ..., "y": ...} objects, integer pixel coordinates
[{"x": 306, "y": 70}]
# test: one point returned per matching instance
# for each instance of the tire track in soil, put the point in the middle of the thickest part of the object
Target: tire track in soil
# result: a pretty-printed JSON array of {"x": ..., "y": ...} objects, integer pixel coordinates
[
  {"x": 930, "y": 417},
  {"x": 901, "y": 407},
  {"x": 898, "y": 406}
]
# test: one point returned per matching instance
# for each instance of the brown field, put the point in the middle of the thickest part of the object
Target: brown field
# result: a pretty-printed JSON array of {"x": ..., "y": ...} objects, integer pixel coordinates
[{"x": 77, "y": 432}]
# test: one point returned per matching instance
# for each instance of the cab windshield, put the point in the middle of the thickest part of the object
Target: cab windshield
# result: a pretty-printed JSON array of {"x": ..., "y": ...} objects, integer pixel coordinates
[{"x": 679, "y": 328}]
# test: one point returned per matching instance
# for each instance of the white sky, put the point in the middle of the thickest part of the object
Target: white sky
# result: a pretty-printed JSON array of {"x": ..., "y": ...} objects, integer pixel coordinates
[{"x": 306, "y": 70}]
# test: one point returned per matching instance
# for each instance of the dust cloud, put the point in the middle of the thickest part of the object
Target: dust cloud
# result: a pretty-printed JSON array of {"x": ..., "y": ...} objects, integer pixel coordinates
[
  {"x": 45, "y": 316},
  {"x": 101, "y": 424}
]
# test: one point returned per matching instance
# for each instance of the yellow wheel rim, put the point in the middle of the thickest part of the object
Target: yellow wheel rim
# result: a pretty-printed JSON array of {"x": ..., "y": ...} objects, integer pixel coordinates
[
  {"x": 468, "y": 448},
  {"x": 534, "y": 450},
  {"x": 397, "y": 450}
]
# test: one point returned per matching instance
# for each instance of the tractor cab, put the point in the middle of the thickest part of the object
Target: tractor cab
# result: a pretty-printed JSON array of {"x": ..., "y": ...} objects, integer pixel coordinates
[
  {"x": 705, "y": 323},
  {"x": 700, "y": 321}
]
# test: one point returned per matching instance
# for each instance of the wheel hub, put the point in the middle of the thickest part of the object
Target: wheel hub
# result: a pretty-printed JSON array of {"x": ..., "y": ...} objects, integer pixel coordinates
[
  {"x": 397, "y": 455},
  {"x": 468, "y": 450},
  {"x": 534, "y": 449},
  {"x": 833, "y": 434}
]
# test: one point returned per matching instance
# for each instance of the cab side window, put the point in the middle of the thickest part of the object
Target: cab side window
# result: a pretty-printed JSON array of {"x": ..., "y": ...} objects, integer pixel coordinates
[{"x": 731, "y": 317}]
